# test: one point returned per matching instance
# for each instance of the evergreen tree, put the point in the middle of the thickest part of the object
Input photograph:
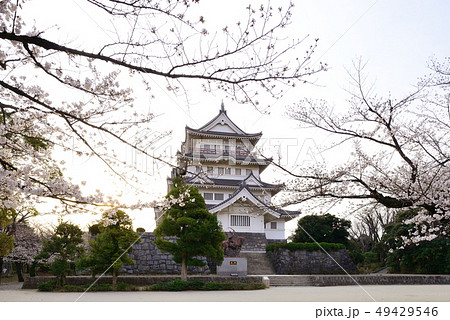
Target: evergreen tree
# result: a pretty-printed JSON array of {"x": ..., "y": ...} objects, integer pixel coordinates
[
  {"x": 325, "y": 228},
  {"x": 197, "y": 231},
  {"x": 110, "y": 247},
  {"x": 63, "y": 248}
]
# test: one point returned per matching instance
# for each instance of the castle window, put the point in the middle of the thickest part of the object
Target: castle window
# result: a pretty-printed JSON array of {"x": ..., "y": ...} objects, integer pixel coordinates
[
  {"x": 208, "y": 148},
  {"x": 208, "y": 196},
  {"x": 241, "y": 151},
  {"x": 227, "y": 170},
  {"x": 218, "y": 196},
  {"x": 221, "y": 171},
  {"x": 239, "y": 221},
  {"x": 273, "y": 225},
  {"x": 237, "y": 171},
  {"x": 209, "y": 170}
]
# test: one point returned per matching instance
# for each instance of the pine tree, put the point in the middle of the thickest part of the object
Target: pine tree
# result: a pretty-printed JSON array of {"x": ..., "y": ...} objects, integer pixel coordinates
[
  {"x": 110, "y": 248},
  {"x": 197, "y": 231},
  {"x": 63, "y": 248}
]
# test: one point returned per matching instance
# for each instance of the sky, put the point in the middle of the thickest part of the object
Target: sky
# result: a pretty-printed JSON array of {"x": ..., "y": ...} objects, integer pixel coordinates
[{"x": 395, "y": 38}]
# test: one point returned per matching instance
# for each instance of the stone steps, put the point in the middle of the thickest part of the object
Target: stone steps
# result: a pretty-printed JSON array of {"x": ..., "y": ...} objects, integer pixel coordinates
[
  {"x": 253, "y": 241},
  {"x": 257, "y": 263}
]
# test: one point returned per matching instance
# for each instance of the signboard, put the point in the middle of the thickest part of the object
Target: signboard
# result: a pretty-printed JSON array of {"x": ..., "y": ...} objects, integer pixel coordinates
[{"x": 235, "y": 266}]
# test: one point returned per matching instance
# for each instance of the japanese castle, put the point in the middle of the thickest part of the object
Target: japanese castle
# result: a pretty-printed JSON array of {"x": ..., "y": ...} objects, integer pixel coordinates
[{"x": 219, "y": 159}]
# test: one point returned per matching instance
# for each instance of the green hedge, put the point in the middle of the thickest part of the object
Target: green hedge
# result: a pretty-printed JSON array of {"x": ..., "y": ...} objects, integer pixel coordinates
[
  {"x": 293, "y": 246},
  {"x": 180, "y": 285},
  {"x": 51, "y": 286},
  {"x": 174, "y": 285}
]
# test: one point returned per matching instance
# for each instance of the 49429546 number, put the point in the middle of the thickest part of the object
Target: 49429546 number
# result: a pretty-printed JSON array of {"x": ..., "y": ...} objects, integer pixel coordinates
[{"x": 407, "y": 311}]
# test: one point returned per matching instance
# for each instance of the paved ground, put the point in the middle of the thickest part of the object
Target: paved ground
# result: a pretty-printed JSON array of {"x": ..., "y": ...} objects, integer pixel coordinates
[{"x": 381, "y": 293}]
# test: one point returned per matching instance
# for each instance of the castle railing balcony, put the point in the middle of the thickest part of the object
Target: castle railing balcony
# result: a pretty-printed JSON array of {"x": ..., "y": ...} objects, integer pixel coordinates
[{"x": 237, "y": 153}]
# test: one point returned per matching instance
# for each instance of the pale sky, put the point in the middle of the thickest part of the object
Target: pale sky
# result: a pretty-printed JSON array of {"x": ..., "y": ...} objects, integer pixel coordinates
[{"x": 395, "y": 38}]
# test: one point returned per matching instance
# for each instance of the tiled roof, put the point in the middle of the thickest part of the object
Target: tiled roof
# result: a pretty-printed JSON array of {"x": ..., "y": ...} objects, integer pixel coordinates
[
  {"x": 225, "y": 134},
  {"x": 246, "y": 159},
  {"x": 235, "y": 183},
  {"x": 279, "y": 211}
]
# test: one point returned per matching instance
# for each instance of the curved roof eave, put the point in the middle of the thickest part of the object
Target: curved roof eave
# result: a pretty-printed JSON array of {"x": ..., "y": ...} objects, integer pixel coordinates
[
  {"x": 244, "y": 191},
  {"x": 222, "y": 112},
  {"x": 258, "y": 161},
  {"x": 244, "y": 135}
]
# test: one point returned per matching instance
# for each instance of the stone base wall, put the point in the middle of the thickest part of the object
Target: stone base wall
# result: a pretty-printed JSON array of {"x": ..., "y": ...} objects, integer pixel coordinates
[
  {"x": 311, "y": 262},
  {"x": 253, "y": 241},
  {"x": 272, "y": 241},
  {"x": 149, "y": 259},
  {"x": 358, "y": 279},
  {"x": 33, "y": 282}
]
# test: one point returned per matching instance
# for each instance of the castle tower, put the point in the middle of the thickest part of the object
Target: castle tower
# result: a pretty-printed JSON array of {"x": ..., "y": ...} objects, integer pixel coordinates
[{"x": 219, "y": 160}]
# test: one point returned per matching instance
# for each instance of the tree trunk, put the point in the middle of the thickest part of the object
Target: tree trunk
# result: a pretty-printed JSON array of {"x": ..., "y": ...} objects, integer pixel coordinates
[
  {"x": 114, "y": 278},
  {"x": 183, "y": 269},
  {"x": 33, "y": 269},
  {"x": 19, "y": 271},
  {"x": 61, "y": 280}
]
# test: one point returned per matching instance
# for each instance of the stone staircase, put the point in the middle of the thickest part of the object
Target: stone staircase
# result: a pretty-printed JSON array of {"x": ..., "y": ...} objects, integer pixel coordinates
[
  {"x": 257, "y": 263},
  {"x": 253, "y": 241}
]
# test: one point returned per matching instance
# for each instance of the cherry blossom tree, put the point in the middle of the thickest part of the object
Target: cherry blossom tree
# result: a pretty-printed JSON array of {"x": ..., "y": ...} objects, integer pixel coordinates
[
  {"x": 27, "y": 245},
  {"x": 77, "y": 95},
  {"x": 400, "y": 157}
]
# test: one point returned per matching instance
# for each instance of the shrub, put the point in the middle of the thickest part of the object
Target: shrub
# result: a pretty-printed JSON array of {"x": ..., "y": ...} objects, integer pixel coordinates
[
  {"x": 356, "y": 256},
  {"x": 214, "y": 286},
  {"x": 101, "y": 287},
  {"x": 122, "y": 286},
  {"x": 180, "y": 285},
  {"x": 252, "y": 286},
  {"x": 293, "y": 246},
  {"x": 47, "y": 286},
  {"x": 140, "y": 230},
  {"x": 174, "y": 285},
  {"x": 72, "y": 288},
  {"x": 371, "y": 257},
  {"x": 428, "y": 257}
]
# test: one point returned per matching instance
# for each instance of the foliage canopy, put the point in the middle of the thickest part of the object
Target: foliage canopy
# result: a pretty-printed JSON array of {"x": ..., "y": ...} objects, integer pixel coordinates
[{"x": 324, "y": 228}]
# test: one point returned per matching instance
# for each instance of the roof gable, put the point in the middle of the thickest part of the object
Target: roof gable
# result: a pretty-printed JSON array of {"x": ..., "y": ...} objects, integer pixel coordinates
[
  {"x": 245, "y": 195},
  {"x": 223, "y": 124}
]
